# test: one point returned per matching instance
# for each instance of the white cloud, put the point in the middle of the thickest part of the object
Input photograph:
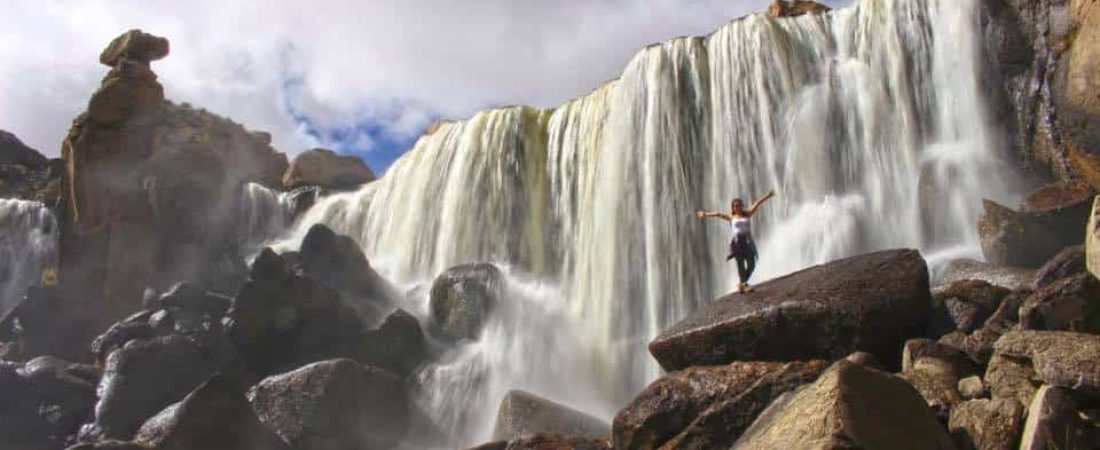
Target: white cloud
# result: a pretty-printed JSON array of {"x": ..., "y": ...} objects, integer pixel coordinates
[{"x": 395, "y": 63}]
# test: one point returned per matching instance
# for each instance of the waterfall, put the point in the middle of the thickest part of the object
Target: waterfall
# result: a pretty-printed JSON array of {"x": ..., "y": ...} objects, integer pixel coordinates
[
  {"x": 868, "y": 122},
  {"x": 265, "y": 215},
  {"x": 28, "y": 246}
]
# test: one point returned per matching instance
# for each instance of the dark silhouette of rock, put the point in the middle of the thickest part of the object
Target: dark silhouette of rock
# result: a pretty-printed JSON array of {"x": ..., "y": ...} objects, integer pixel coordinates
[
  {"x": 986, "y": 424},
  {"x": 21, "y": 427},
  {"x": 324, "y": 168},
  {"x": 872, "y": 303},
  {"x": 334, "y": 405},
  {"x": 215, "y": 416},
  {"x": 524, "y": 414},
  {"x": 462, "y": 298},
  {"x": 64, "y": 393},
  {"x": 144, "y": 377},
  {"x": 398, "y": 345},
  {"x": 706, "y": 407},
  {"x": 849, "y": 406},
  {"x": 337, "y": 261}
]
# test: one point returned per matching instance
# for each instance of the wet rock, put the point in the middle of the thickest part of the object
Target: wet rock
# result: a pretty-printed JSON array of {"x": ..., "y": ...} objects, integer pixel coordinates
[
  {"x": 190, "y": 296},
  {"x": 278, "y": 325},
  {"x": 134, "y": 327},
  {"x": 268, "y": 266},
  {"x": 1068, "y": 304},
  {"x": 134, "y": 45},
  {"x": 462, "y": 298},
  {"x": 215, "y": 416},
  {"x": 872, "y": 303},
  {"x": 548, "y": 442},
  {"x": 968, "y": 269},
  {"x": 64, "y": 392},
  {"x": 337, "y": 261},
  {"x": 523, "y": 414},
  {"x": 1053, "y": 422},
  {"x": 795, "y": 8},
  {"x": 1068, "y": 262},
  {"x": 706, "y": 407},
  {"x": 325, "y": 168},
  {"x": 964, "y": 306},
  {"x": 398, "y": 345},
  {"x": 986, "y": 424},
  {"x": 334, "y": 405},
  {"x": 1011, "y": 378},
  {"x": 1060, "y": 359},
  {"x": 21, "y": 426},
  {"x": 145, "y": 376},
  {"x": 849, "y": 406}
]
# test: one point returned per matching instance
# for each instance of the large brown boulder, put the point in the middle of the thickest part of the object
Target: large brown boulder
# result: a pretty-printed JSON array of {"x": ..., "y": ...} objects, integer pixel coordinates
[
  {"x": 216, "y": 416},
  {"x": 325, "y": 168},
  {"x": 337, "y": 261},
  {"x": 849, "y": 406},
  {"x": 985, "y": 424},
  {"x": 706, "y": 407},
  {"x": 524, "y": 414},
  {"x": 334, "y": 405},
  {"x": 151, "y": 189},
  {"x": 1059, "y": 359},
  {"x": 871, "y": 303}
]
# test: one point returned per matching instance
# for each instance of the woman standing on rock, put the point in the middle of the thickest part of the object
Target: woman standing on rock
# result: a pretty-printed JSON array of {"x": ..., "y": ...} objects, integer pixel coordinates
[{"x": 742, "y": 246}]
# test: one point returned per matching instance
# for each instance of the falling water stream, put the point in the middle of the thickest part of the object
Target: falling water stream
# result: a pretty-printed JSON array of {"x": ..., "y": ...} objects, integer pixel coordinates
[
  {"x": 28, "y": 246},
  {"x": 868, "y": 122}
]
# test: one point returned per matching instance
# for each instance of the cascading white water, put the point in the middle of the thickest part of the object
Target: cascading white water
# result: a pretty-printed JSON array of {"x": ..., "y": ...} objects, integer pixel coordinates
[
  {"x": 859, "y": 119},
  {"x": 265, "y": 215},
  {"x": 28, "y": 246}
]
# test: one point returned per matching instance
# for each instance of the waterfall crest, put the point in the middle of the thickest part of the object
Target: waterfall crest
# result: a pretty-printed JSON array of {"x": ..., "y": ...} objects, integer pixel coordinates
[
  {"x": 28, "y": 246},
  {"x": 869, "y": 122}
]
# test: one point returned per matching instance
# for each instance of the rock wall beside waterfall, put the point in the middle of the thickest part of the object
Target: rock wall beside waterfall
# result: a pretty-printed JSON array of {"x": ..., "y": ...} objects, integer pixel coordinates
[
  {"x": 151, "y": 188},
  {"x": 1047, "y": 53},
  {"x": 25, "y": 173}
]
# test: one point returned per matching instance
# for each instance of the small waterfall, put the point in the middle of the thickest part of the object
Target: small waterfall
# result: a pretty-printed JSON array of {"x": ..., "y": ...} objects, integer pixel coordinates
[
  {"x": 28, "y": 246},
  {"x": 265, "y": 215},
  {"x": 868, "y": 122}
]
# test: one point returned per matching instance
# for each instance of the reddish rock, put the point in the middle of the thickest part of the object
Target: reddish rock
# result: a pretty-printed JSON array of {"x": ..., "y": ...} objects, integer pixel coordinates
[
  {"x": 872, "y": 303},
  {"x": 325, "y": 168},
  {"x": 795, "y": 8}
]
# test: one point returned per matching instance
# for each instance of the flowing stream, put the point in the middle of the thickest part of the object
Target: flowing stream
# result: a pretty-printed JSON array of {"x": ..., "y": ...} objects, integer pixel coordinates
[
  {"x": 869, "y": 123},
  {"x": 28, "y": 246}
]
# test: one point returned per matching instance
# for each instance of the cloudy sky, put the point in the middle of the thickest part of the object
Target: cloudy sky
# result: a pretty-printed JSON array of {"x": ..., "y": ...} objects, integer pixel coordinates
[{"x": 362, "y": 77}]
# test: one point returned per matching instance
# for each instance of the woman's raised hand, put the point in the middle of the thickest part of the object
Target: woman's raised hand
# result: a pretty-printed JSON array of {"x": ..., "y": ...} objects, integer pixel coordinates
[{"x": 701, "y": 214}]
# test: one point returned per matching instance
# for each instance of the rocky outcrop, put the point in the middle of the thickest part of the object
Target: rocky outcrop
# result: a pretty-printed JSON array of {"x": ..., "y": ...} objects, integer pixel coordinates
[
  {"x": 337, "y": 261},
  {"x": 706, "y": 407},
  {"x": 25, "y": 173},
  {"x": 334, "y": 405},
  {"x": 849, "y": 406},
  {"x": 795, "y": 8},
  {"x": 151, "y": 188},
  {"x": 325, "y": 168},
  {"x": 986, "y": 424},
  {"x": 872, "y": 303},
  {"x": 1049, "y": 221},
  {"x": 462, "y": 298},
  {"x": 523, "y": 414},
  {"x": 216, "y": 416}
]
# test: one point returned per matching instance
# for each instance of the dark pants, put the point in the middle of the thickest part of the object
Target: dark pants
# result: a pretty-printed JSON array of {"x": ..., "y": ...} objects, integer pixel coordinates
[{"x": 743, "y": 249}]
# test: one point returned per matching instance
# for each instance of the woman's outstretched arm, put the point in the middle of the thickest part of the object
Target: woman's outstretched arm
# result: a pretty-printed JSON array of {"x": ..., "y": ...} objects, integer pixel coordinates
[
  {"x": 708, "y": 214},
  {"x": 761, "y": 201}
]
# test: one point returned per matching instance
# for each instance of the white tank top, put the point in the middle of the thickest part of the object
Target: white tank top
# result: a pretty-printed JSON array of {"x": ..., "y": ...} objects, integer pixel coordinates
[{"x": 739, "y": 226}]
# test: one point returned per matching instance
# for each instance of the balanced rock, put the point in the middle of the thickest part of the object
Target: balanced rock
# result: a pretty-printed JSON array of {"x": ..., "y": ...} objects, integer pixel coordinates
[
  {"x": 216, "y": 416},
  {"x": 334, "y": 405},
  {"x": 524, "y": 414},
  {"x": 872, "y": 303},
  {"x": 325, "y": 168},
  {"x": 706, "y": 407},
  {"x": 849, "y": 406},
  {"x": 134, "y": 45},
  {"x": 462, "y": 298},
  {"x": 986, "y": 424}
]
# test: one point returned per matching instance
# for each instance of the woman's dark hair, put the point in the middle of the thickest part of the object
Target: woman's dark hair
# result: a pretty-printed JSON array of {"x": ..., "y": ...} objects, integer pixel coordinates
[{"x": 737, "y": 200}]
